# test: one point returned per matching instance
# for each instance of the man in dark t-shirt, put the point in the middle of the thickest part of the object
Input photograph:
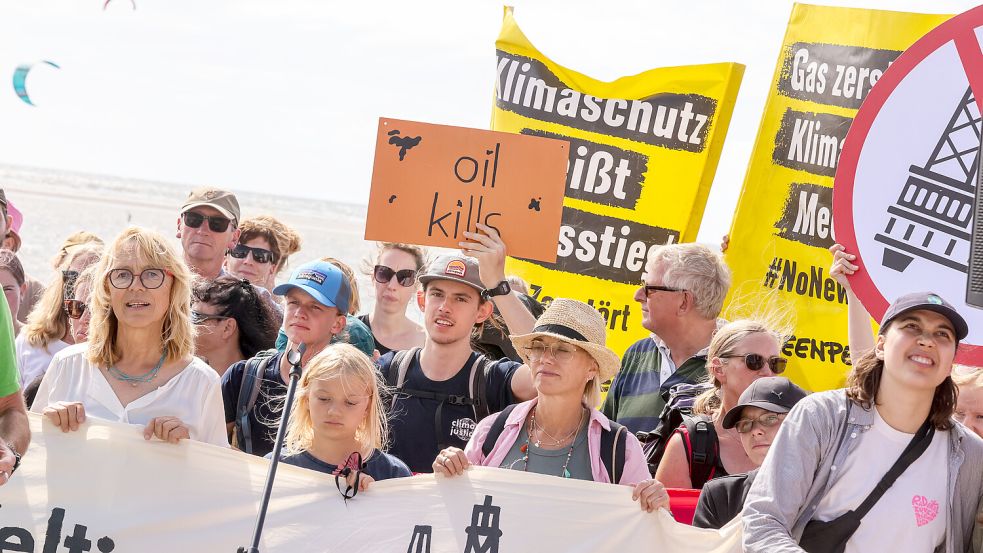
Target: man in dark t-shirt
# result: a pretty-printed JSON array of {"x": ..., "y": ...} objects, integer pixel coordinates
[{"x": 457, "y": 296}]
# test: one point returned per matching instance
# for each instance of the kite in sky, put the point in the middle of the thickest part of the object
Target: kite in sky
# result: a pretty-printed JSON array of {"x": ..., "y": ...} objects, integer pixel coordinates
[
  {"x": 106, "y": 5},
  {"x": 20, "y": 78}
]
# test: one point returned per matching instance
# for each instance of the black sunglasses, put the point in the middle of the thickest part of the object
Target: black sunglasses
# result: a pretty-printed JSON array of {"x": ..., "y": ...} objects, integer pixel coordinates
[
  {"x": 74, "y": 308},
  {"x": 757, "y": 362},
  {"x": 383, "y": 274},
  {"x": 651, "y": 288},
  {"x": 193, "y": 219},
  {"x": 259, "y": 254},
  {"x": 200, "y": 318}
]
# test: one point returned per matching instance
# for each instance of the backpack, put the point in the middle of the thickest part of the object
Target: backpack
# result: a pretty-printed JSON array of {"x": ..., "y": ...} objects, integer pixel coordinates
[
  {"x": 476, "y": 397},
  {"x": 613, "y": 440},
  {"x": 677, "y": 412},
  {"x": 252, "y": 374}
]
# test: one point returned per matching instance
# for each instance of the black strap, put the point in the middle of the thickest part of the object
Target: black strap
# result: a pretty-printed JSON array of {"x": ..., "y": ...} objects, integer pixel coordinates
[
  {"x": 918, "y": 444},
  {"x": 495, "y": 430},
  {"x": 252, "y": 374},
  {"x": 613, "y": 446},
  {"x": 703, "y": 454}
]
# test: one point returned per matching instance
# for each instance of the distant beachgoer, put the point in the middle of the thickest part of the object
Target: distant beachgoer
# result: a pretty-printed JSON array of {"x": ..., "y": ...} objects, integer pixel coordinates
[
  {"x": 77, "y": 307},
  {"x": 208, "y": 228},
  {"x": 340, "y": 385},
  {"x": 233, "y": 322},
  {"x": 47, "y": 331},
  {"x": 14, "y": 286},
  {"x": 138, "y": 366},
  {"x": 265, "y": 245},
  {"x": 394, "y": 272},
  {"x": 317, "y": 297}
]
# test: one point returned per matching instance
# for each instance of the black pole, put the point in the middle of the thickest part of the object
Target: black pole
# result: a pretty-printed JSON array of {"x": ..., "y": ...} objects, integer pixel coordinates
[{"x": 293, "y": 357}]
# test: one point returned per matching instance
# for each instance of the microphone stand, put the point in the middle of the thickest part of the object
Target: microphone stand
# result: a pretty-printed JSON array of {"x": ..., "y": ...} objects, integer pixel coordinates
[{"x": 293, "y": 357}]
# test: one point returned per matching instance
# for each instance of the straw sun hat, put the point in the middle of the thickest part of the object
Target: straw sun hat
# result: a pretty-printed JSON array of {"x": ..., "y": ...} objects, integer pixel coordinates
[{"x": 576, "y": 323}]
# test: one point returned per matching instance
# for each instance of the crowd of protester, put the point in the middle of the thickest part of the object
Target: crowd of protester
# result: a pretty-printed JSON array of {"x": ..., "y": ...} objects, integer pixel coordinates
[{"x": 192, "y": 343}]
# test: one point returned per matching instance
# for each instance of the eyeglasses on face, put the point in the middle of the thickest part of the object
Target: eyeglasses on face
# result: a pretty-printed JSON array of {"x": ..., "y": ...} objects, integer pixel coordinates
[
  {"x": 651, "y": 288},
  {"x": 560, "y": 351},
  {"x": 766, "y": 420},
  {"x": 74, "y": 308},
  {"x": 198, "y": 318},
  {"x": 260, "y": 255},
  {"x": 150, "y": 278},
  {"x": 383, "y": 274},
  {"x": 757, "y": 362},
  {"x": 193, "y": 219}
]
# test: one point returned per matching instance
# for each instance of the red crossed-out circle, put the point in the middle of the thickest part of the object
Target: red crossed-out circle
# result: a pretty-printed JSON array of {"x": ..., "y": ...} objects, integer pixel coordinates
[{"x": 960, "y": 30}]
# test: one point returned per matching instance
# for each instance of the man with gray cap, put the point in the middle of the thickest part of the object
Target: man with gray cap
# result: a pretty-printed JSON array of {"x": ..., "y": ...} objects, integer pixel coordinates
[
  {"x": 208, "y": 227},
  {"x": 443, "y": 389}
]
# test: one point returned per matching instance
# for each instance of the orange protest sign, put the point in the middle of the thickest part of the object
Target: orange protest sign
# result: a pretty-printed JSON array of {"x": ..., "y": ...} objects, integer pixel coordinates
[{"x": 431, "y": 183}]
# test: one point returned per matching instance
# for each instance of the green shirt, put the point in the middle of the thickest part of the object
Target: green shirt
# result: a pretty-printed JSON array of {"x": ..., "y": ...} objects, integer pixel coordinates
[{"x": 8, "y": 362}]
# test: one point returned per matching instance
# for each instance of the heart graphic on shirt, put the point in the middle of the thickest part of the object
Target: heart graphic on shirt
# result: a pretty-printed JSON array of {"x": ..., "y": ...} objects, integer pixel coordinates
[{"x": 925, "y": 510}]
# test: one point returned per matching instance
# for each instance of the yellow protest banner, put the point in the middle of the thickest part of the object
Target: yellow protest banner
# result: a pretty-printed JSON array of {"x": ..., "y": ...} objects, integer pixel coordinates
[
  {"x": 829, "y": 61},
  {"x": 643, "y": 152}
]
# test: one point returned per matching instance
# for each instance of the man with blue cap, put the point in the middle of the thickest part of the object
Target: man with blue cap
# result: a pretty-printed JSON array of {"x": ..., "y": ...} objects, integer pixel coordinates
[{"x": 316, "y": 298}]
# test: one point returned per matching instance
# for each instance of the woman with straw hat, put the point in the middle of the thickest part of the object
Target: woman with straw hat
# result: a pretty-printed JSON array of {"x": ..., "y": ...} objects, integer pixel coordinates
[{"x": 560, "y": 432}]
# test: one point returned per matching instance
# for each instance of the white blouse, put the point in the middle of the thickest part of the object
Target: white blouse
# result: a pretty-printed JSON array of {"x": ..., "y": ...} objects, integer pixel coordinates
[
  {"x": 194, "y": 395},
  {"x": 33, "y": 361}
]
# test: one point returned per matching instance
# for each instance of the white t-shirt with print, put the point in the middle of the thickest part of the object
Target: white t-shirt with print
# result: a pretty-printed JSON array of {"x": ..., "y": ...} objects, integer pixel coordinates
[{"x": 911, "y": 515}]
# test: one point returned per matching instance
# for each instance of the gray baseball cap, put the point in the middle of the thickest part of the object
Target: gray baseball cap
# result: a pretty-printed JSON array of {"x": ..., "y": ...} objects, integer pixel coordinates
[
  {"x": 459, "y": 268},
  {"x": 772, "y": 393}
]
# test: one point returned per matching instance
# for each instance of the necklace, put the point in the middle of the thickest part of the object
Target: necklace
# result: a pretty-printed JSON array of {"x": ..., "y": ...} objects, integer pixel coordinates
[
  {"x": 542, "y": 430},
  {"x": 564, "y": 472},
  {"x": 134, "y": 380}
]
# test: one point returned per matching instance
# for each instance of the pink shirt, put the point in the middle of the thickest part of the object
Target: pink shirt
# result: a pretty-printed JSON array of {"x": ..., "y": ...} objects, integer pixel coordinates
[{"x": 636, "y": 468}]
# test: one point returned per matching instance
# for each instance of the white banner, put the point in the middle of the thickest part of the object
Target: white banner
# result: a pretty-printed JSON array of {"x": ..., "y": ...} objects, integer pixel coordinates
[{"x": 105, "y": 489}]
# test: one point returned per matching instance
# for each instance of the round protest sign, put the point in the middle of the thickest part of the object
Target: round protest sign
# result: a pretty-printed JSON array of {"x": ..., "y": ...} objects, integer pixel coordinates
[{"x": 905, "y": 187}]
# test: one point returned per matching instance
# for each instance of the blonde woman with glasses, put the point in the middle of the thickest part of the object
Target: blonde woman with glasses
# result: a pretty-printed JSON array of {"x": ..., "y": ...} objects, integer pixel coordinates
[{"x": 138, "y": 366}]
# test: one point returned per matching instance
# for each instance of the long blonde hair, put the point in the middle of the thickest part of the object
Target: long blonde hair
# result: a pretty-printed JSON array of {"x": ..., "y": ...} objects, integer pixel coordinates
[
  {"x": 177, "y": 333},
  {"x": 724, "y": 342},
  {"x": 345, "y": 362},
  {"x": 48, "y": 322}
]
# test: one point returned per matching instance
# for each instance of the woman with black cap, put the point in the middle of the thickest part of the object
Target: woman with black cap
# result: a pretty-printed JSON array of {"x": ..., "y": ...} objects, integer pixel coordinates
[
  {"x": 882, "y": 453},
  {"x": 757, "y": 416}
]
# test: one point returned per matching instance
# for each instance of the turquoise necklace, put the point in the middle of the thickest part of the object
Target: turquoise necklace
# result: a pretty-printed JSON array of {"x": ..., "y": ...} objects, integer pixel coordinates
[{"x": 134, "y": 380}]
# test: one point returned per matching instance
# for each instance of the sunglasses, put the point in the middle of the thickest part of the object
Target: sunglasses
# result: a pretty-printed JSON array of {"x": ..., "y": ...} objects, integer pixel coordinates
[
  {"x": 259, "y": 254},
  {"x": 198, "y": 318},
  {"x": 767, "y": 420},
  {"x": 193, "y": 219},
  {"x": 383, "y": 274},
  {"x": 560, "y": 351},
  {"x": 74, "y": 308},
  {"x": 649, "y": 289},
  {"x": 757, "y": 362},
  {"x": 151, "y": 279}
]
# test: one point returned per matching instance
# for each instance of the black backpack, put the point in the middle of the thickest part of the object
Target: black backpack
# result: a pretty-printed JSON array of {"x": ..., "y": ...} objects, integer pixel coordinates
[
  {"x": 252, "y": 374},
  {"x": 612, "y": 440},
  {"x": 678, "y": 412},
  {"x": 476, "y": 398}
]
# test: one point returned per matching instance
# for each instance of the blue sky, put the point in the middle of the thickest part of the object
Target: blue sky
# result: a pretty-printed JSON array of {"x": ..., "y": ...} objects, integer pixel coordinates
[{"x": 283, "y": 95}]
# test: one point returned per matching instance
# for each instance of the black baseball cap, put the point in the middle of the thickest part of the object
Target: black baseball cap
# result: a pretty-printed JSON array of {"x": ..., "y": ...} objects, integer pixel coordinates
[
  {"x": 929, "y": 301},
  {"x": 771, "y": 393}
]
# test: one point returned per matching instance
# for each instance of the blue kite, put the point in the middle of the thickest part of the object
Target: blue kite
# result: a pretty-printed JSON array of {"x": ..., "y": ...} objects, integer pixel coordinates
[{"x": 20, "y": 79}]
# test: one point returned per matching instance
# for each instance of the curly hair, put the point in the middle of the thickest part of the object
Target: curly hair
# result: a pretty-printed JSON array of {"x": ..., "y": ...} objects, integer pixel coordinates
[
  {"x": 284, "y": 241},
  {"x": 254, "y": 316}
]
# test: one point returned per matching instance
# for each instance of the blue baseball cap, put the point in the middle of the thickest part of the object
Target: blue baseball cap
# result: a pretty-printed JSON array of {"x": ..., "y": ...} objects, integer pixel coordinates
[{"x": 323, "y": 281}]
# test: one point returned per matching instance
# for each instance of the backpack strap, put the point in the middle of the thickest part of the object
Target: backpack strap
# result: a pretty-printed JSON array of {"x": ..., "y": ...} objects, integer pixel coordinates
[
  {"x": 496, "y": 430},
  {"x": 478, "y": 388},
  {"x": 613, "y": 444},
  {"x": 252, "y": 374},
  {"x": 700, "y": 442},
  {"x": 396, "y": 378}
]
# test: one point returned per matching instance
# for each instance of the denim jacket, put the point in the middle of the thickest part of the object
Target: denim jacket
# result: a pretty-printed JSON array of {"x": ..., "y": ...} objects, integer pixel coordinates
[{"x": 816, "y": 438}]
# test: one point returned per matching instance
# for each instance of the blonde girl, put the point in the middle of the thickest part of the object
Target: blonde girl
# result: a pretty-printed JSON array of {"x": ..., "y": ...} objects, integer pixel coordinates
[
  {"x": 969, "y": 402},
  {"x": 338, "y": 413}
]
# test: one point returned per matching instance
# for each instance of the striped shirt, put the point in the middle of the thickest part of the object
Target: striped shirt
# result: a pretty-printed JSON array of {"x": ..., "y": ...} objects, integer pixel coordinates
[{"x": 635, "y": 399}]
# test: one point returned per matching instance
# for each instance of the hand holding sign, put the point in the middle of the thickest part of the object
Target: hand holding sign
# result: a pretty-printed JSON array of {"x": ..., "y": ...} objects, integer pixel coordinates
[
  {"x": 489, "y": 249},
  {"x": 437, "y": 185}
]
